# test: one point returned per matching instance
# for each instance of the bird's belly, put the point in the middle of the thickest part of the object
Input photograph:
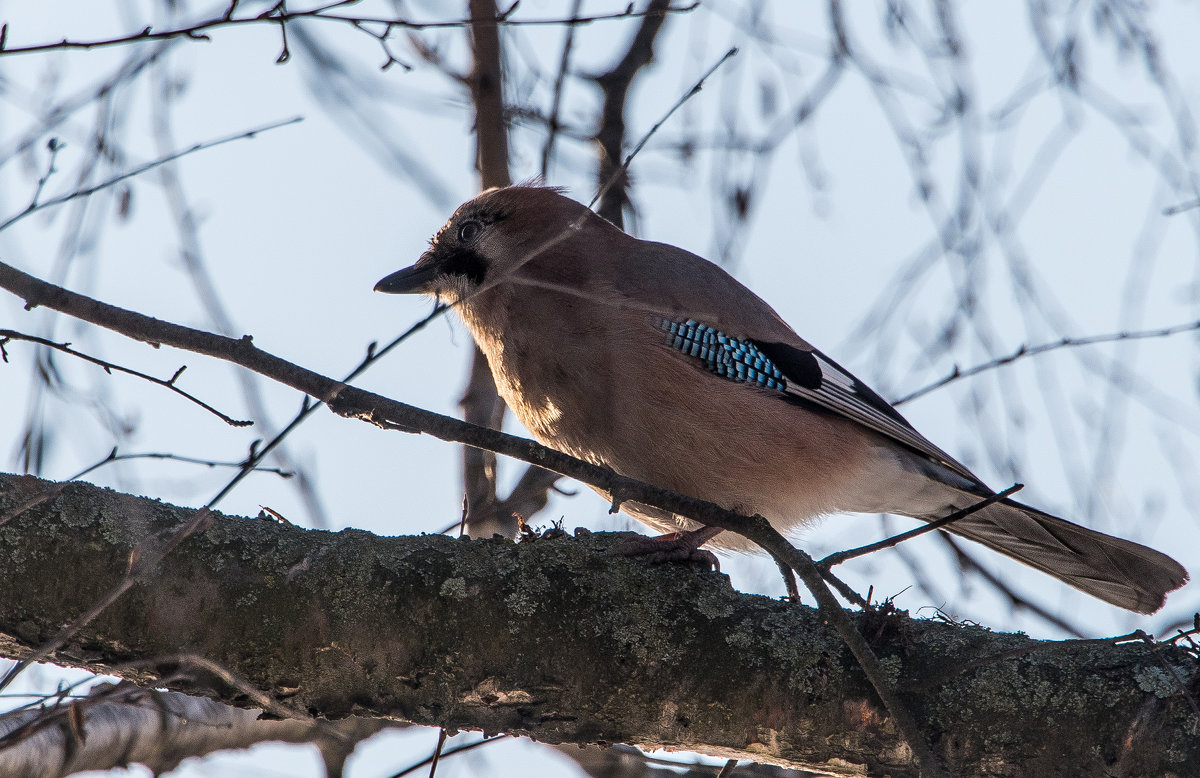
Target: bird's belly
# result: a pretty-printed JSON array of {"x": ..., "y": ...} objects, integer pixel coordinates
[{"x": 738, "y": 446}]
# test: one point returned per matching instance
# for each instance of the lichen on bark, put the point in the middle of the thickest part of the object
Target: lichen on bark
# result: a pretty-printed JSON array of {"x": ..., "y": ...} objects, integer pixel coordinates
[{"x": 564, "y": 641}]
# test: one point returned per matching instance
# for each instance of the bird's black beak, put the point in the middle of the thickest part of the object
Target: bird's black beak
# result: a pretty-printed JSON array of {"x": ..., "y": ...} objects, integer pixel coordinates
[{"x": 410, "y": 280}]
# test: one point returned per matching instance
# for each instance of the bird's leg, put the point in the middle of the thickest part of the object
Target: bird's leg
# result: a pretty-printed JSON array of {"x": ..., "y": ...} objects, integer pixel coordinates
[{"x": 674, "y": 547}]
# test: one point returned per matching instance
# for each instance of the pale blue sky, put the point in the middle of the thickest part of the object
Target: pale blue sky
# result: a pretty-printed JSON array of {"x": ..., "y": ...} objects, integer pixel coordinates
[{"x": 297, "y": 225}]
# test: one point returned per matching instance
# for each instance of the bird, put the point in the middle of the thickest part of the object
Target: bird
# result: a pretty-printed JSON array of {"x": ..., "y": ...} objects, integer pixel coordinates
[{"x": 658, "y": 364}]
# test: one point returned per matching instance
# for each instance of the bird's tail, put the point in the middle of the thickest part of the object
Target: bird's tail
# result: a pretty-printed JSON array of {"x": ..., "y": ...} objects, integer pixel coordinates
[{"x": 1126, "y": 574}]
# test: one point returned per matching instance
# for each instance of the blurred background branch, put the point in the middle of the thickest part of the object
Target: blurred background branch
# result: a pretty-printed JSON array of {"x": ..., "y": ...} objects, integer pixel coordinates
[{"x": 917, "y": 186}]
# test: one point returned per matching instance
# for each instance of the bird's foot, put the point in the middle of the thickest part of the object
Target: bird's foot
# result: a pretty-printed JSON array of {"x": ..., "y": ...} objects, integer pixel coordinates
[{"x": 674, "y": 547}]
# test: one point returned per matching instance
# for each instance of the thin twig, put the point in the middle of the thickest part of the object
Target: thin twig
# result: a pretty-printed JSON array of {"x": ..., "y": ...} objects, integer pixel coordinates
[
  {"x": 842, "y": 556},
  {"x": 90, "y": 190},
  {"x": 307, "y": 408},
  {"x": 191, "y": 253},
  {"x": 1180, "y": 208},
  {"x": 113, "y": 456},
  {"x": 556, "y": 100},
  {"x": 277, "y": 15},
  {"x": 460, "y": 749},
  {"x": 54, "y": 713},
  {"x": 109, "y": 367},
  {"x": 437, "y": 753},
  {"x": 132, "y": 694},
  {"x": 789, "y": 582},
  {"x": 843, "y": 588},
  {"x": 228, "y": 677},
  {"x": 616, "y": 176},
  {"x": 610, "y": 133},
  {"x": 53, "y": 146},
  {"x": 1171, "y": 671},
  {"x": 968, "y": 562},
  {"x": 1030, "y": 351}
]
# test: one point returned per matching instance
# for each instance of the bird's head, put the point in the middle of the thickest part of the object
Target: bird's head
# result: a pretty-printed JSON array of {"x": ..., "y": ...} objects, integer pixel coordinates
[{"x": 495, "y": 237}]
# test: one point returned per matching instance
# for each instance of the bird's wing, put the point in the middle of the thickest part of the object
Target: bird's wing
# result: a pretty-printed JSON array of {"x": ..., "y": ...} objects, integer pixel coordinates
[
  {"x": 803, "y": 375},
  {"x": 686, "y": 289},
  {"x": 839, "y": 391}
]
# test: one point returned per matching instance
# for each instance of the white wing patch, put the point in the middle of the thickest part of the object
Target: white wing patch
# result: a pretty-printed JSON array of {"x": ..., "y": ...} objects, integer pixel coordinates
[{"x": 831, "y": 373}]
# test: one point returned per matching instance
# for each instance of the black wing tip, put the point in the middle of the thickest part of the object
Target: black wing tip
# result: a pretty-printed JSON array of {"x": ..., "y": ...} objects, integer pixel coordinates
[{"x": 797, "y": 365}]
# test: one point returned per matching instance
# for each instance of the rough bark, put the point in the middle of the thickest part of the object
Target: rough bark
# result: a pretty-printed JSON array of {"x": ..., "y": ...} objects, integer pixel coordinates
[{"x": 560, "y": 640}]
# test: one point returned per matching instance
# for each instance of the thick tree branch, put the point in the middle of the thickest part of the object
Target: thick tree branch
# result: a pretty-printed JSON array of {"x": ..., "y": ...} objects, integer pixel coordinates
[
  {"x": 349, "y": 401},
  {"x": 562, "y": 641}
]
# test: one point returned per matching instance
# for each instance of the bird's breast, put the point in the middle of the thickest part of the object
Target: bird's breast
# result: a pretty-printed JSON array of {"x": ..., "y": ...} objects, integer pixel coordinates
[{"x": 618, "y": 391}]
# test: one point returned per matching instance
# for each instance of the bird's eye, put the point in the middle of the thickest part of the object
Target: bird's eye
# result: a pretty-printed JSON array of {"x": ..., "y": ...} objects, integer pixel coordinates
[{"x": 469, "y": 231}]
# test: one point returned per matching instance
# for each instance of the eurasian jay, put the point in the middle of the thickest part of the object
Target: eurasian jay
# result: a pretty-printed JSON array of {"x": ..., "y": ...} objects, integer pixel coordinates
[{"x": 658, "y": 364}]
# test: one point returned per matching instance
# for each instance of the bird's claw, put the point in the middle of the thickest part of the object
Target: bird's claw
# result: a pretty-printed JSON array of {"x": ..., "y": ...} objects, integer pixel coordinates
[{"x": 673, "y": 547}]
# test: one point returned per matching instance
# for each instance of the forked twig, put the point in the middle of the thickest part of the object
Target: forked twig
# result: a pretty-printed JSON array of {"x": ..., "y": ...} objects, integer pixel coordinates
[
  {"x": 1031, "y": 351},
  {"x": 34, "y": 207},
  {"x": 109, "y": 367}
]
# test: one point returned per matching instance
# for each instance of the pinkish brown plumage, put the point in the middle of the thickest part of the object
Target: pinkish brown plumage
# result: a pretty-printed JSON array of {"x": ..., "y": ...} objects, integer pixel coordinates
[{"x": 654, "y": 362}]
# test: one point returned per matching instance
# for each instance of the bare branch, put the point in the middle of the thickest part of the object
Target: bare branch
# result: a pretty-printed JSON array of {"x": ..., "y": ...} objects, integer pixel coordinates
[
  {"x": 307, "y": 407},
  {"x": 556, "y": 101},
  {"x": 446, "y": 755},
  {"x": 90, "y": 190},
  {"x": 279, "y": 15},
  {"x": 843, "y": 556},
  {"x": 1180, "y": 208},
  {"x": 1032, "y": 351},
  {"x": 120, "y": 724},
  {"x": 611, "y": 134},
  {"x": 487, "y": 93},
  {"x": 113, "y": 456},
  {"x": 109, "y": 367},
  {"x": 617, "y": 175},
  {"x": 191, "y": 254}
]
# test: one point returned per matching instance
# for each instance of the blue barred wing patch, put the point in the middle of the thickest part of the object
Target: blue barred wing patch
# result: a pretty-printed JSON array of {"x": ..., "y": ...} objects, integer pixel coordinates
[
  {"x": 805, "y": 377},
  {"x": 733, "y": 358}
]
